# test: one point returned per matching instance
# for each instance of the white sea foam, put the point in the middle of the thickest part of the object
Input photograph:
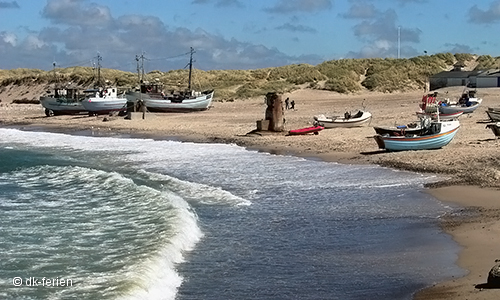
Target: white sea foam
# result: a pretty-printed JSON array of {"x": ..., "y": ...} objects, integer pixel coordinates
[
  {"x": 99, "y": 205},
  {"x": 197, "y": 192}
]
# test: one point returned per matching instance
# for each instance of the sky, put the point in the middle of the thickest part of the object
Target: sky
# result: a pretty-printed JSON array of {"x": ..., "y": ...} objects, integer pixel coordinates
[{"x": 238, "y": 34}]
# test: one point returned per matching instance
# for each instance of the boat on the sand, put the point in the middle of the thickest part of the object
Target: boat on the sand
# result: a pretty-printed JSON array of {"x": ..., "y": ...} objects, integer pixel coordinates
[
  {"x": 156, "y": 99},
  {"x": 437, "y": 134},
  {"x": 313, "y": 129},
  {"x": 104, "y": 101},
  {"x": 358, "y": 119}
]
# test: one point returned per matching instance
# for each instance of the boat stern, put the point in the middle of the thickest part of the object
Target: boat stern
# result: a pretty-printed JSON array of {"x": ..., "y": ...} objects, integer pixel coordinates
[{"x": 380, "y": 141}]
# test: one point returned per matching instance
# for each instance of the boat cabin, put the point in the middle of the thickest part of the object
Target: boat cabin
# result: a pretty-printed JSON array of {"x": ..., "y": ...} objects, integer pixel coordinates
[
  {"x": 102, "y": 93},
  {"x": 65, "y": 93},
  {"x": 151, "y": 88}
]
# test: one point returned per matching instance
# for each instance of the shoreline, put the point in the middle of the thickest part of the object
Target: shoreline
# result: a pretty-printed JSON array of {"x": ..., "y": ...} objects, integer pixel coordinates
[
  {"x": 480, "y": 217},
  {"x": 473, "y": 258}
]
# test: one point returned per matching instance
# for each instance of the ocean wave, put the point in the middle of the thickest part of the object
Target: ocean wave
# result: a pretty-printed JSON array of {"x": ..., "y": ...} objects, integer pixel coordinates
[
  {"x": 198, "y": 192},
  {"x": 111, "y": 231}
]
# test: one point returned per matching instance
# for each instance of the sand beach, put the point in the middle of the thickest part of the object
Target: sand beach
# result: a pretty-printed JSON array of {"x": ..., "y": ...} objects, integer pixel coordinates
[{"x": 469, "y": 165}]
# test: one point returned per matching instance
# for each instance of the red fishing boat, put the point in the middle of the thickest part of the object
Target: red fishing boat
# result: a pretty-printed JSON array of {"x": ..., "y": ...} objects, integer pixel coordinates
[{"x": 312, "y": 129}]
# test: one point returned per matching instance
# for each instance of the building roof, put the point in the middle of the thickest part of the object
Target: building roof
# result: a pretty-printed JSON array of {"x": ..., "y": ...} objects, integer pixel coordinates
[
  {"x": 452, "y": 74},
  {"x": 488, "y": 73}
]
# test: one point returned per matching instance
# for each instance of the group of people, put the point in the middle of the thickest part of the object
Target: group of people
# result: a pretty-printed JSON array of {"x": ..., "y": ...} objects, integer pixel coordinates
[{"x": 288, "y": 104}]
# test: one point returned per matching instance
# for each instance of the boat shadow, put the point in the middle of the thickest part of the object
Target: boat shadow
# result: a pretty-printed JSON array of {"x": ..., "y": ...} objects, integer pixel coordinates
[
  {"x": 36, "y": 118},
  {"x": 380, "y": 151},
  {"x": 487, "y": 140},
  {"x": 487, "y": 286},
  {"x": 485, "y": 121}
]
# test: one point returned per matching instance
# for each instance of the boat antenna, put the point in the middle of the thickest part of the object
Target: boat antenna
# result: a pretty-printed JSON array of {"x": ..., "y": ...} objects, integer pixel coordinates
[{"x": 190, "y": 67}]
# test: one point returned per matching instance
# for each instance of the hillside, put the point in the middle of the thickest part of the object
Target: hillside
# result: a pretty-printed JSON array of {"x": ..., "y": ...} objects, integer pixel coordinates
[{"x": 344, "y": 76}]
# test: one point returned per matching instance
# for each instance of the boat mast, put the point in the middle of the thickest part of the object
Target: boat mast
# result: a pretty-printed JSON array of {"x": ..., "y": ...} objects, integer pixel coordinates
[
  {"x": 55, "y": 75},
  {"x": 140, "y": 69},
  {"x": 190, "y": 67},
  {"x": 99, "y": 58}
]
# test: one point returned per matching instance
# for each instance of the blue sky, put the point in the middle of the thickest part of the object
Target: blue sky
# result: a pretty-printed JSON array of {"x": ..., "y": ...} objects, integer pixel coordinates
[{"x": 239, "y": 34}]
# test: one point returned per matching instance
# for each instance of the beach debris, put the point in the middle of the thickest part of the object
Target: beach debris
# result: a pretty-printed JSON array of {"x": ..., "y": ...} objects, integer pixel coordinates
[{"x": 494, "y": 275}]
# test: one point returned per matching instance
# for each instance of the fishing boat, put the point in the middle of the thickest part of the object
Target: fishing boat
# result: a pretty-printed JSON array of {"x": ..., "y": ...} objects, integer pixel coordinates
[
  {"x": 155, "y": 99},
  {"x": 313, "y": 129},
  {"x": 467, "y": 103},
  {"x": 103, "y": 100},
  {"x": 63, "y": 99},
  {"x": 466, "y": 107},
  {"x": 358, "y": 119},
  {"x": 493, "y": 113},
  {"x": 437, "y": 134}
]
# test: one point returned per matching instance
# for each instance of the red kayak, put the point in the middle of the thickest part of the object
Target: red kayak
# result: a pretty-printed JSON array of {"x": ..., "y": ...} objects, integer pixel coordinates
[{"x": 313, "y": 129}]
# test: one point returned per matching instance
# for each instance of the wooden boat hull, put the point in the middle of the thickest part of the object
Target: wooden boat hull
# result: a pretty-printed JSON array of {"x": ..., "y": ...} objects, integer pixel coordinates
[
  {"x": 62, "y": 106},
  {"x": 307, "y": 130},
  {"x": 104, "y": 105},
  {"x": 157, "y": 103},
  {"x": 337, "y": 122},
  {"x": 419, "y": 142}
]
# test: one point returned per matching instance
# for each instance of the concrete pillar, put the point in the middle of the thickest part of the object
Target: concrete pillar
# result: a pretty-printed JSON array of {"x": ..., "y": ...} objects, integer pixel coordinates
[{"x": 274, "y": 112}]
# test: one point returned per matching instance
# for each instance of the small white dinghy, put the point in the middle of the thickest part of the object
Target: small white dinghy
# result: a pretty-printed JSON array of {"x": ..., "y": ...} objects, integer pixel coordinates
[{"x": 359, "y": 119}]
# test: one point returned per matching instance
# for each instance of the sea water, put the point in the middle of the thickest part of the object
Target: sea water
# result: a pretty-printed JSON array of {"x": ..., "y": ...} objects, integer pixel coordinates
[{"x": 86, "y": 217}]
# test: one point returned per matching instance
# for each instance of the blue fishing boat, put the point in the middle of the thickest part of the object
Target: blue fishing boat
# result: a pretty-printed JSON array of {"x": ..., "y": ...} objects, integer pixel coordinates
[{"x": 437, "y": 134}]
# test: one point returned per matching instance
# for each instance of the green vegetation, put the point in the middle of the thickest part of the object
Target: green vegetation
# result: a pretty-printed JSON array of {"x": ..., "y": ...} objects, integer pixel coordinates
[
  {"x": 487, "y": 62},
  {"x": 342, "y": 76}
]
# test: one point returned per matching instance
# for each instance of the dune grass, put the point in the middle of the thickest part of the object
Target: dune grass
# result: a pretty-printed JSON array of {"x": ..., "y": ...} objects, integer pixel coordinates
[{"x": 342, "y": 76}]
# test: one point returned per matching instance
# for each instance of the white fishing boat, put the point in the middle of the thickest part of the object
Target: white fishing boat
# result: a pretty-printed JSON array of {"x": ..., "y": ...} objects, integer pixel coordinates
[
  {"x": 104, "y": 101},
  {"x": 467, "y": 103},
  {"x": 466, "y": 107},
  {"x": 447, "y": 108},
  {"x": 155, "y": 99},
  {"x": 358, "y": 119}
]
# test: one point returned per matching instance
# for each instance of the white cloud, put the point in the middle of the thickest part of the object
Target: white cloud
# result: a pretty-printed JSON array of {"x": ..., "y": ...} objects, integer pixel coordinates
[
  {"x": 32, "y": 42},
  {"x": 9, "y": 38}
]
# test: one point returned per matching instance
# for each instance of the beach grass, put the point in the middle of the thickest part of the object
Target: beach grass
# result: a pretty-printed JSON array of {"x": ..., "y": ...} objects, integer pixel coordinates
[{"x": 342, "y": 76}]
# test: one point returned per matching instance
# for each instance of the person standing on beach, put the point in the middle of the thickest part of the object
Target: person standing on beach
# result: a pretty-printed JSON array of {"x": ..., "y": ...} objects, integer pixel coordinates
[
  {"x": 292, "y": 104},
  {"x": 287, "y": 104}
]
